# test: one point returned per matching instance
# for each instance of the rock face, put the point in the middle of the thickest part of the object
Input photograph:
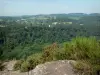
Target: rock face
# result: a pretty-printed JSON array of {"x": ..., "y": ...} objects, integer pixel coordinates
[
  {"x": 61, "y": 67},
  {"x": 9, "y": 69}
]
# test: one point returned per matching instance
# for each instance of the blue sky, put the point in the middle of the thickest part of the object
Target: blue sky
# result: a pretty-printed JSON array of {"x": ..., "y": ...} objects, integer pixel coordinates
[{"x": 32, "y": 7}]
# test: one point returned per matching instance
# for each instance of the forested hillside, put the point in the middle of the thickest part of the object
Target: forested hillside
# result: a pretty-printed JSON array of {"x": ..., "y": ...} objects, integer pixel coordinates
[{"x": 24, "y": 35}]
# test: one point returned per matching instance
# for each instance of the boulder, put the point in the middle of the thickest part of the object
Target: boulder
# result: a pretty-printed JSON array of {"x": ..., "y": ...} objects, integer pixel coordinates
[{"x": 61, "y": 67}]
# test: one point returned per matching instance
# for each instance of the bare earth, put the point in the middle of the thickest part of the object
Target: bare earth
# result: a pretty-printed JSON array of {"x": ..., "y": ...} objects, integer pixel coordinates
[{"x": 61, "y": 67}]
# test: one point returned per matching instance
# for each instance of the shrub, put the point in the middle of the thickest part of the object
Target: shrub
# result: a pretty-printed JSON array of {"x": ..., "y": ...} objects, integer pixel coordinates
[
  {"x": 82, "y": 67},
  {"x": 38, "y": 58},
  {"x": 49, "y": 53},
  {"x": 31, "y": 62},
  {"x": 17, "y": 65},
  {"x": 83, "y": 48},
  {"x": 34, "y": 60},
  {"x": 25, "y": 66},
  {"x": 61, "y": 54}
]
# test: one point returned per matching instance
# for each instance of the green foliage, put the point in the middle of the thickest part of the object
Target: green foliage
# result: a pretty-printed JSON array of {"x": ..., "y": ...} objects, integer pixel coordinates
[
  {"x": 16, "y": 33},
  {"x": 22, "y": 51},
  {"x": 31, "y": 62},
  {"x": 61, "y": 54},
  {"x": 82, "y": 67},
  {"x": 17, "y": 65},
  {"x": 25, "y": 67},
  {"x": 49, "y": 53},
  {"x": 83, "y": 48}
]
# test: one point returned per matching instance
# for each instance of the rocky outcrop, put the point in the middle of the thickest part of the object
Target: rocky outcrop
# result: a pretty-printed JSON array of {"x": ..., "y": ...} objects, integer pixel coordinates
[{"x": 61, "y": 67}]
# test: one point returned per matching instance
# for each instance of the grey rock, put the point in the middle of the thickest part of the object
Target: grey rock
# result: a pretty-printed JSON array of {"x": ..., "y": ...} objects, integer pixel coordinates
[{"x": 61, "y": 67}]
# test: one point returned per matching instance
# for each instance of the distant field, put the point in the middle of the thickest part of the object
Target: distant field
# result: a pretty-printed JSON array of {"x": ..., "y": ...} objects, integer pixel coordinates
[{"x": 75, "y": 18}]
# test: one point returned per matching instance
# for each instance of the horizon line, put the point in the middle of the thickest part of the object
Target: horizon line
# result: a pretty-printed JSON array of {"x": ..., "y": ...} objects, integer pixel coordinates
[{"x": 46, "y": 14}]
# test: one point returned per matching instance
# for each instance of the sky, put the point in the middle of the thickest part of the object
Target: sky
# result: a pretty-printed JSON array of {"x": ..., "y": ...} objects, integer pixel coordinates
[{"x": 34, "y": 7}]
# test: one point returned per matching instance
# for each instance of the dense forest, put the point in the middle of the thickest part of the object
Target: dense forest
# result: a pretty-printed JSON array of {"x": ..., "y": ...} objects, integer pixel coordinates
[
  {"x": 25, "y": 35},
  {"x": 22, "y": 36}
]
